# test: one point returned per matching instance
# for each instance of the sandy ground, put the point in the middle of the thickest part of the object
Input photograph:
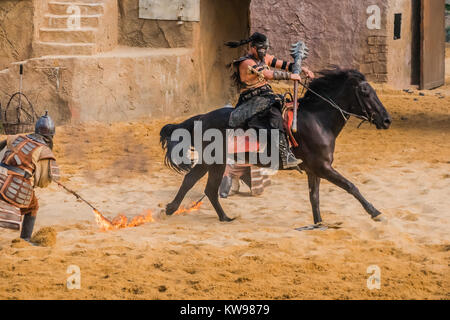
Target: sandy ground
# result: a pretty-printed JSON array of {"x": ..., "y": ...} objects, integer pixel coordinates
[{"x": 404, "y": 172}]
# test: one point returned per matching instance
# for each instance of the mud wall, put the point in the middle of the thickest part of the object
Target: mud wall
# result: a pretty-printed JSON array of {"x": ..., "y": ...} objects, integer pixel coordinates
[
  {"x": 220, "y": 21},
  {"x": 335, "y": 31},
  {"x": 179, "y": 69},
  {"x": 108, "y": 87},
  {"x": 135, "y": 32},
  {"x": 16, "y": 31}
]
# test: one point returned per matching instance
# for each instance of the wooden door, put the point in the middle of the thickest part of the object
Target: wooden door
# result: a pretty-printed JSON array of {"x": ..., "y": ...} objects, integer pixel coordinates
[{"x": 432, "y": 55}]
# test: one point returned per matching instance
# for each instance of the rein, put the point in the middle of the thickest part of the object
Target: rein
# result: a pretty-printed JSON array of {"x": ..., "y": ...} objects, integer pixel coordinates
[{"x": 336, "y": 106}]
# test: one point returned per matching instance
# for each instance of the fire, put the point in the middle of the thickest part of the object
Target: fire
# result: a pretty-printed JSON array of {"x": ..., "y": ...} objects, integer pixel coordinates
[
  {"x": 194, "y": 207},
  {"x": 121, "y": 222}
]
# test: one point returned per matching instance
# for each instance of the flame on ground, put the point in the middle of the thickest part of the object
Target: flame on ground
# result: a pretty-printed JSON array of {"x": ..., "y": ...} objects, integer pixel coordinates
[
  {"x": 194, "y": 207},
  {"x": 121, "y": 221}
]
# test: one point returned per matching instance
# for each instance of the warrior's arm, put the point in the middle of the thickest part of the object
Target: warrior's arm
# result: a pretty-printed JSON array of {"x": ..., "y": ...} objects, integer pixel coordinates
[
  {"x": 273, "y": 62},
  {"x": 249, "y": 72},
  {"x": 46, "y": 168},
  {"x": 287, "y": 66}
]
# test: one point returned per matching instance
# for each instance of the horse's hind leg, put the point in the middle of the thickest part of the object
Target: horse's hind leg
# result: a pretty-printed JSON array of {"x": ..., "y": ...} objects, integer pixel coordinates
[
  {"x": 314, "y": 184},
  {"x": 189, "y": 181},
  {"x": 336, "y": 178},
  {"x": 215, "y": 174}
]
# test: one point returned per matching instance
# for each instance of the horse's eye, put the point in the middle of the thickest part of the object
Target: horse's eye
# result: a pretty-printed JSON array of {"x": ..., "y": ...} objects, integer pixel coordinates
[{"x": 365, "y": 90}]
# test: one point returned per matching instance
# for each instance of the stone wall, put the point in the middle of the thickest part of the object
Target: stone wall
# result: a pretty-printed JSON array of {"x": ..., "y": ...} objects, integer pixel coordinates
[
  {"x": 16, "y": 31},
  {"x": 336, "y": 32}
]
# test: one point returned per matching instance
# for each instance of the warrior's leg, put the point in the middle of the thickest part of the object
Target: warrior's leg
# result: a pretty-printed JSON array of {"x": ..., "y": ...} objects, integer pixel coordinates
[
  {"x": 225, "y": 187},
  {"x": 288, "y": 159},
  {"x": 29, "y": 218}
]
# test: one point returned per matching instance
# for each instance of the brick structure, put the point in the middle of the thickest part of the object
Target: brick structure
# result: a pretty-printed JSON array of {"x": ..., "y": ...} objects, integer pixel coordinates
[{"x": 353, "y": 33}]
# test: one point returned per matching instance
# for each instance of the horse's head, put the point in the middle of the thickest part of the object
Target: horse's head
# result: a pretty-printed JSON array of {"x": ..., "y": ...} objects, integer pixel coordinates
[
  {"x": 366, "y": 102},
  {"x": 353, "y": 93}
]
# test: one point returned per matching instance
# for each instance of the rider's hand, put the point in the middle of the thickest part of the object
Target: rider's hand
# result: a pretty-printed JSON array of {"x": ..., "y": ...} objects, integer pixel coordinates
[
  {"x": 308, "y": 73},
  {"x": 295, "y": 77}
]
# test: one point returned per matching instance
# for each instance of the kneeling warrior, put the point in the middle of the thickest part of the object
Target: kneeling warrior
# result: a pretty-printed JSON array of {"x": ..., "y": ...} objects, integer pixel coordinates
[
  {"x": 257, "y": 101},
  {"x": 28, "y": 162}
]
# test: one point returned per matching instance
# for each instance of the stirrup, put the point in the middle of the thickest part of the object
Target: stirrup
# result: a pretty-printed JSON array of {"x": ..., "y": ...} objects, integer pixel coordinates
[{"x": 292, "y": 163}]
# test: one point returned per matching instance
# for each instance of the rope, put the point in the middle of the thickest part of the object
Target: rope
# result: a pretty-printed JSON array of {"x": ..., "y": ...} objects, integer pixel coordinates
[{"x": 334, "y": 105}]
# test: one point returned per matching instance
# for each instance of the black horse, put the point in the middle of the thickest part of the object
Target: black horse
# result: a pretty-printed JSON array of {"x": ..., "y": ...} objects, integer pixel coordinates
[{"x": 323, "y": 113}]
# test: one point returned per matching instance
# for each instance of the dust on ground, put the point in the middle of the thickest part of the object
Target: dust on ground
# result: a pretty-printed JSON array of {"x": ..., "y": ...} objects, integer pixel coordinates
[
  {"x": 45, "y": 237},
  {"x": 403, "y": 171}
]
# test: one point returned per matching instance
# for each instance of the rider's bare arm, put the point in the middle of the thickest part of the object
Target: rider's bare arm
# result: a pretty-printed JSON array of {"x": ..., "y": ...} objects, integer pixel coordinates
[
  {"x": 252, "y": 77},
  {"x": 287, "y": 66},
  {"x": 273, "y": 62},
  {"x": 309, "y": 73}
]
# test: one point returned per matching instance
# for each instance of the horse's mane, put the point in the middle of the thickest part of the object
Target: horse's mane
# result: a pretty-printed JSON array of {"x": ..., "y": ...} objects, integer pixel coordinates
[{"x": 331, "y": 79}]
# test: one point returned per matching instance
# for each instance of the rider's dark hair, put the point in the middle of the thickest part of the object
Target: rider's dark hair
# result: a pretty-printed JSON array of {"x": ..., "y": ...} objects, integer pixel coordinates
[{"x": 256, "y": 38}]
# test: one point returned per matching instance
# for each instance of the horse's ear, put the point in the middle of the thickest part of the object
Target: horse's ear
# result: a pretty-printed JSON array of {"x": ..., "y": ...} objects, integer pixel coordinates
[{"x": 355, "y": 77}]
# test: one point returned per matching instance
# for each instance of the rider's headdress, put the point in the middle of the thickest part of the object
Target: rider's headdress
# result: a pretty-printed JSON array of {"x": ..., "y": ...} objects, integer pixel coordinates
[{"x": 257, "y": 39}]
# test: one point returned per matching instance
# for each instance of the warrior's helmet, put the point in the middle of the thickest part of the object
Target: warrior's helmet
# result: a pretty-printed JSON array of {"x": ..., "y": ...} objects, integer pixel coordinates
[{"x": 45, "y": 126}]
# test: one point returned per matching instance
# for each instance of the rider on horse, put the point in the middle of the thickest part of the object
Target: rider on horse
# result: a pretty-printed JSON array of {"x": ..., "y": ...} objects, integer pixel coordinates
[{"x": 258, "y": 106}]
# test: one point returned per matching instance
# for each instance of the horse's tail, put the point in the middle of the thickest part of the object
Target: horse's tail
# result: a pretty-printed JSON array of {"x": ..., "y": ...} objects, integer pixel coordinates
[{"x": 168, "y": 145}]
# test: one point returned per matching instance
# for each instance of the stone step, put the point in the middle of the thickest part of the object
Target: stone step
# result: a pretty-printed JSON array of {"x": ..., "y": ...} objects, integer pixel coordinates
[
  {"x": 84, "y": 35},
  {"x": 61, "y": 8},
  {"x": 60, "y": 21},
  {"x": 62, "y": 49}
]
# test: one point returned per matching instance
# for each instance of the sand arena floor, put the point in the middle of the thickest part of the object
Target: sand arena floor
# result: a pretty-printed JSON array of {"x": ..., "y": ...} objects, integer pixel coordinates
[{"x": 404, "y": 172}]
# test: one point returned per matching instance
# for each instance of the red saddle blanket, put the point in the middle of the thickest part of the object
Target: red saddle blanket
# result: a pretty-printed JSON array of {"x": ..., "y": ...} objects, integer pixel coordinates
[
  {"x": 288, "y": 117},
  {"x": 243, "y": 144}
]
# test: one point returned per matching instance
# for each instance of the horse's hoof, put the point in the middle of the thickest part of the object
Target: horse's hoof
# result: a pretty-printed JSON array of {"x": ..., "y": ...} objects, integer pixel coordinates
[
  {"x": 170, "y": 209},
  {"x": 226, "y": 219},
  {"x": 379, "y": 218}
]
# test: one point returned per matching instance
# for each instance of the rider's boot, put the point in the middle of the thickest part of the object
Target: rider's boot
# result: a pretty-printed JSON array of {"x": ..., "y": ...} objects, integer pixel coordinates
[{"x": 288, "y": 159}]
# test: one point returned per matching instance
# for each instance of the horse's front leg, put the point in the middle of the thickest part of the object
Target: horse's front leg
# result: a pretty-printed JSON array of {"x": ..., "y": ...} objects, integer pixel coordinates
[
  {"x": 314, "y": 184},
  {"x": 189, "y": 181},
  {"x": 215, "y": 175},
  {"x": 327, "y": 172}
]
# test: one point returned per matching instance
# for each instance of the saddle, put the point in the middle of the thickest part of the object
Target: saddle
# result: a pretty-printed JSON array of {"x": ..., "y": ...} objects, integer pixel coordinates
[{"x": 244, "y": 144}]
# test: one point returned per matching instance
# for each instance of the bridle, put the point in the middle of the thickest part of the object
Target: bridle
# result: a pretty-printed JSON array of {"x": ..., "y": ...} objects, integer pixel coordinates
[
  {"x": 368, "y": 114},
  {"x": 345, "y": 114}
]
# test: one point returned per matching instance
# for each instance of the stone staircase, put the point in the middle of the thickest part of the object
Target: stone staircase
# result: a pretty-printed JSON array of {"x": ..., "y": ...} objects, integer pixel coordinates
[{"x": 96, "y": 32}]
